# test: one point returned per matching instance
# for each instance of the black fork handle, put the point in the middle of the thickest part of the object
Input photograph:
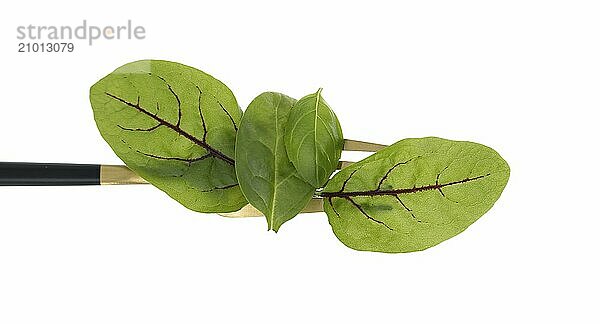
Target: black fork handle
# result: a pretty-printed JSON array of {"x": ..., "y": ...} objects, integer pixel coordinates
[{"x": 48, "y": 174}]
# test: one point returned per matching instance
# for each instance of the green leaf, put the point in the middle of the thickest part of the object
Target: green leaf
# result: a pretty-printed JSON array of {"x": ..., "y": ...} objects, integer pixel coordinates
[
  {"x": 314, "y": 139},
  {"x": 175, "y": 126},
  {"x": 414, "y": 194},
  {"x": 267, "y": 178}
]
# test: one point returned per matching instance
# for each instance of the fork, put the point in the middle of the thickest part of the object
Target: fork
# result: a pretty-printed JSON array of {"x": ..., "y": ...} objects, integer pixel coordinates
[{"x": 62, "y": 174}]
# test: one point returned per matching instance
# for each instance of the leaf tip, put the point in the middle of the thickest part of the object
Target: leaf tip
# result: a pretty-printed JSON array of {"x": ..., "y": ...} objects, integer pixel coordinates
[
  {"x": 318, "y": 93},
  {"x": 273, "y": 227}
]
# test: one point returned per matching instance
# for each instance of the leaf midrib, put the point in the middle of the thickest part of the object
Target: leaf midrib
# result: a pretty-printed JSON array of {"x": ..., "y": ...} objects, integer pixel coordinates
[
  {"x": 216, "y": 153},
  {"x": 394, "y": 192},
  {"x": 274, "y": 194},
  {"x": 318, "y": 97}
]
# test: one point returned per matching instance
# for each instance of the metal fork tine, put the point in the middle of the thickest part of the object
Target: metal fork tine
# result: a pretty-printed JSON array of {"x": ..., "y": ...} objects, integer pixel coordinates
[
  {"x": 343, "y": 164},
  {"x": 120, "y": 174},
  {"x": 352, "y": 145},
  {"x": 314, "y": 206},
  {"x": 123, "y": 175}
]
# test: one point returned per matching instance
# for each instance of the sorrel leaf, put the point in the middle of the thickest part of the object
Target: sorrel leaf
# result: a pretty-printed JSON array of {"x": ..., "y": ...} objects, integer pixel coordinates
[
  {"x": 175, "y": 126},
  {"x": 314, "y": 139},
  {"x": 414, "y": 194},
  {"x": 267, "y": 177}
]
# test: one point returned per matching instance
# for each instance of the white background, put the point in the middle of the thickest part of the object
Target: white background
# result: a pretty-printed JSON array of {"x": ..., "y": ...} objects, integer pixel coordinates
[{"x": 520, "y": 76}]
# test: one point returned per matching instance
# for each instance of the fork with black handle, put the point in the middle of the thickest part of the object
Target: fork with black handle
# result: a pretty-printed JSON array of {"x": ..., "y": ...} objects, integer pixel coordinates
[{"x": 65, "y": 174}]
